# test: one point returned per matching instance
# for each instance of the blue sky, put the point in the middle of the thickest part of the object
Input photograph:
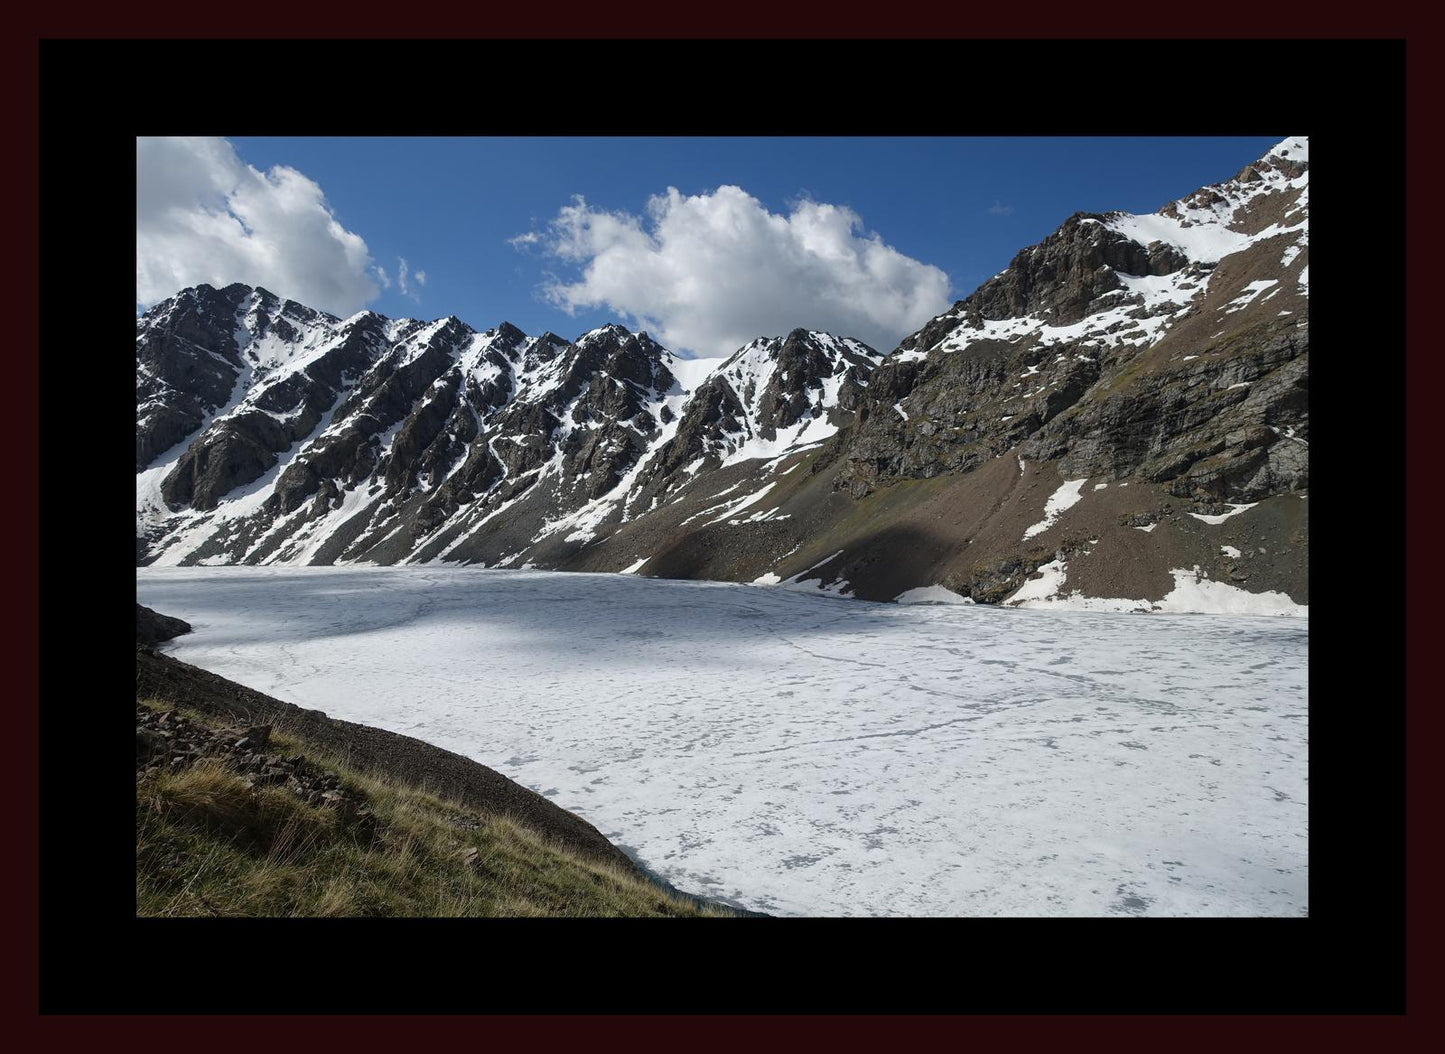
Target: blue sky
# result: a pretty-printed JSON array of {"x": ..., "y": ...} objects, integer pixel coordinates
[{"x": 860, "y": 233}]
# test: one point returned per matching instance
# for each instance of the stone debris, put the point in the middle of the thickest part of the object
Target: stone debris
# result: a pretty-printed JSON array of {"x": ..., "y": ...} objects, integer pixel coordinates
[{"x": 167, "y": 741}]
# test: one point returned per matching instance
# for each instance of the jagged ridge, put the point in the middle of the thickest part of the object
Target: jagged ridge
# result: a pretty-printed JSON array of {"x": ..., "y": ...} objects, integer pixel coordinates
[
  {"x": 1167, "y": 351},
  {"x": 316, "y": 439}
]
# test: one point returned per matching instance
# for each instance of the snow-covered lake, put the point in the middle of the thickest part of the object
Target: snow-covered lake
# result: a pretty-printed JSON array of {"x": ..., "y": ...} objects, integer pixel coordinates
[{"x": 806, "y": 755}]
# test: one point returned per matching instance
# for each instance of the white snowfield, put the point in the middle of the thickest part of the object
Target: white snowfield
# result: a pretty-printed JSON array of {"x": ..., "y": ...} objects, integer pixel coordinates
[{"x": 801, "y": 756}]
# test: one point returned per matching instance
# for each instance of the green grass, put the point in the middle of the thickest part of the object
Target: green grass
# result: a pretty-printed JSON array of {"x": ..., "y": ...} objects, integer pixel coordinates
[{"x": 206, "y": 844}]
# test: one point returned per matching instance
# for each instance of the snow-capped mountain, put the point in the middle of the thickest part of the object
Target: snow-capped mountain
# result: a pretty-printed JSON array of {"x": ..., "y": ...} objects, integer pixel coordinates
[
  {"x": 1119, "y": 418},
  {"x": 267, "y": 432},
  {"x": 1166, "y": 352}
]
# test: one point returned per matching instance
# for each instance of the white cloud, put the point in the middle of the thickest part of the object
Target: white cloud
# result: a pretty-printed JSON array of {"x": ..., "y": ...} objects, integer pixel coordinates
[
  {"x": 707, "y": 273},
  {"x": 405, "y": 277},
  {"x": 381, "y": 276},
  {"x": 998, "y": 208},
  {"x": 204, "y": 215}
]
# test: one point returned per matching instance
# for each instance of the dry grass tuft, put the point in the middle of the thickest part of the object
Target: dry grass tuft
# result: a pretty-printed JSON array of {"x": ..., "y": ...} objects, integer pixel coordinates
[{"x": 207, "y": 844}]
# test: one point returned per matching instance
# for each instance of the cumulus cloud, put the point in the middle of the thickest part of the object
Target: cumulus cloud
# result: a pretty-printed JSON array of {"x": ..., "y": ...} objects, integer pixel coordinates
[
  {"x": 707, "y": 273},
  {"x": 204, "y": 215}
]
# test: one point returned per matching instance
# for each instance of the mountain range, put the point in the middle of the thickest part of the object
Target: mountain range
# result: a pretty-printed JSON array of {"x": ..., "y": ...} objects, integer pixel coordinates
[{"x": 1117, "y": 420}]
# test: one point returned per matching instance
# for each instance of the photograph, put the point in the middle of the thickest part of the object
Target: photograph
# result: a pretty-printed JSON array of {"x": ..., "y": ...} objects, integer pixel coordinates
[
  {"x": 737, "y": 525},
  {"x": 864, "y": 484}
]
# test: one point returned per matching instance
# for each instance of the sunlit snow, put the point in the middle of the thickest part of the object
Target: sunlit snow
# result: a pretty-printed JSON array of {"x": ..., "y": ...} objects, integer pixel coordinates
[
  {"x": 1194, "y": 593},
  {"x": 932, "y": 595},
  {"x": 806, "y": 756},
  {"x": 1061, "y": 500},
  {"x": 1234, "y": 510}
]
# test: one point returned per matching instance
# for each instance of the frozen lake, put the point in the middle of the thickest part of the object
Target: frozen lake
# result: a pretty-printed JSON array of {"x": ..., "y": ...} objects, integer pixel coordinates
[{"x": 806, "y": 755}]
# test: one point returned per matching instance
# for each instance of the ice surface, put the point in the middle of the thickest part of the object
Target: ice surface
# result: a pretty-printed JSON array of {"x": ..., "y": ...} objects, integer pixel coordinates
[{"x": 808, "y": 756}]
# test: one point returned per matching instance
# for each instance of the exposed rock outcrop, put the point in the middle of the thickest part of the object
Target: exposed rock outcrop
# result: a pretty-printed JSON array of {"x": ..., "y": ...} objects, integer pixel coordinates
[
  {"x": 151, "y": 627},
  {"x": 1167, "y": 354}
]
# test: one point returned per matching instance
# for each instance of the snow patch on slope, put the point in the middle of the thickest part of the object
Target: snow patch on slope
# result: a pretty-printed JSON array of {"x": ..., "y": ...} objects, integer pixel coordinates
[
  {"x": 1205, "y": 243},
  {"x": 1061, "y": 500},
  {"x": 931, "y": 595},
  {"x": 1194, "y": 593},
  {"x": 1234, "y": 510}
]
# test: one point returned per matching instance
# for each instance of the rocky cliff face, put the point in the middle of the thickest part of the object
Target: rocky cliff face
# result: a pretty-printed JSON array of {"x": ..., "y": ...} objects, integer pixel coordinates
[
  {"x": 314, "y": 439},
  {"x": 1167, "y": 351},
  {"x": 1176, "y": 359},
  {"x": 1120, "y": 416}
]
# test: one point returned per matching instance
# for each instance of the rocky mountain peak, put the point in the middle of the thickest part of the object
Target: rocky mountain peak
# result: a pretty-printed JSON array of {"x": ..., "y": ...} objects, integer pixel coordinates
[
  {"x": 1059, "y": 279},
  {"x": 1150, "y": 371},
  {"x": 437, "y": 423},
  {"x": 1040, "y": 354},
  {"x": 609, "y": 331}
]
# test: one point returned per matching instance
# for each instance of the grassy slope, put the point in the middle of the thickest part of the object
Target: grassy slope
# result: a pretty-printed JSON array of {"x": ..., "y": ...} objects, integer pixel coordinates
[{"x": 206, "y": 844}]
